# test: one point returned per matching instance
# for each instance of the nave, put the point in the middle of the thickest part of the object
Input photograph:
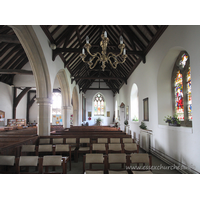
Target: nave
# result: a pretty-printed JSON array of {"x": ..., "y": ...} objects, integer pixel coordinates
[{"x": 71, "y": 146}]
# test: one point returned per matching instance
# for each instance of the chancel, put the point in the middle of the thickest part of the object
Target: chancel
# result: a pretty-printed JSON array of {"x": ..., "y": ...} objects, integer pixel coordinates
[{"x": 99, "y": 99}]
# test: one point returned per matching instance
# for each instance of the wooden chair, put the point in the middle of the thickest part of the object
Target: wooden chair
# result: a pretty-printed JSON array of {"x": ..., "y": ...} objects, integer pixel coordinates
[
  {"x": 93, "y": 159},
  {"x": 27, "y": 149},
  {"x": 131, "y": 148},
  {"x": 57, "y": 140},
  {"x": 72, "y": 142},
  {"x": 7, "y": 164},
  {"x": 27, "y": 162},
  {"x": 84, "y": 146},
  {"x": 115, "y": 148},
  {"x": 115, "y": 140},
  {"x": 99, "y": 148},
  {"x": 44, "y": 141},
  {"x": 63, "y": 149},
  {"x": 102, "y": 140},
  {"x": 140, "y": 162},
  {"x": 45, "y": 149},
  {"x": 54, "y": 161},
  {"x": 127, "y": 140},
  {"x": 117, "y": 158}
]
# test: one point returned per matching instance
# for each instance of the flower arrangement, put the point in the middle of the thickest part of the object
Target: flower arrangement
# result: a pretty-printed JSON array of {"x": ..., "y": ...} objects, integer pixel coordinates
[
  {"x": 126, "y": 122},
  {"x": 99, "y": 120},
  {"x": 143, "y": 126},
  {"x": 172, "y": 120}
]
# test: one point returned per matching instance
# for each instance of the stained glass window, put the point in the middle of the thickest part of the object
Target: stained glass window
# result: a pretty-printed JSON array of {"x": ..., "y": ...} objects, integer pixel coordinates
[
  {"x": 182, "y": 95},
  {"x": 183, "y": 60},
  {"x": 189, "y": 94},
  {"x": 99, "y": 104},
  {"x": 179, "y": 109}
]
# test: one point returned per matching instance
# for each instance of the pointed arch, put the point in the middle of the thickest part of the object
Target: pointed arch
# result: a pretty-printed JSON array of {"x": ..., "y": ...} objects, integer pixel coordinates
[
  {"x": 34, "y": 52},
  {"x": 62, "y": 79}
]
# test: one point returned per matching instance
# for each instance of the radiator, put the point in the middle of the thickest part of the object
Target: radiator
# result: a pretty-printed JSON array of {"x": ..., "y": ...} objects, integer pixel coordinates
[{"x": 145, "y": 139}]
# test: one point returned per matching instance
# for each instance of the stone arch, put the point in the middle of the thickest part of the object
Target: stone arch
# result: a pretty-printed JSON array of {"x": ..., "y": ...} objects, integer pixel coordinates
[
  {"x": 34, "y": 52},
  {"x": 66, "y": 104},
  {"x": 164, "y": 84},
  {"x": 75, "y": 106},
  {"x": 35, "y": 55}
]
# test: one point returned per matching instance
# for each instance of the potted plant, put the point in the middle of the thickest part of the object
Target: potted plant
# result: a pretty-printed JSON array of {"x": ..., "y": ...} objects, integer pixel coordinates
[
  {"x": 126, "y": 122},
  {"x": 143, "y": 126},
  {"x": 99, "y": 121},
  {"x": 172, "y": 120}
]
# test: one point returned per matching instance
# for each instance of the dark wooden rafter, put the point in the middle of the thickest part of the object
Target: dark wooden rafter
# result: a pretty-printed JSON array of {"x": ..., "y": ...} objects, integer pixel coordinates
[
  {"x": 15, "y": 60},
  {"x": 132, "y": 36},
  {"x": 17, "y": 65},
  {"x": 11, "y": 53},
  {"x": 15, "y": 71},
  {"x": 65, "y": 35},
  {"x": 141, "y": 34},
  {"x": 9, "y": 39},
  {"x": 69, "y": 40},
  {"x": 17, "y": 99},
  {"x": 48, "y": 34}
]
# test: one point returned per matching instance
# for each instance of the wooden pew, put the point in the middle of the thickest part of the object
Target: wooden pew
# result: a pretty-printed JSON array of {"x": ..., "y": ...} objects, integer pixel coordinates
[
  {"x": 93, "y": 128},
  {"x": 87, "y": 133}
]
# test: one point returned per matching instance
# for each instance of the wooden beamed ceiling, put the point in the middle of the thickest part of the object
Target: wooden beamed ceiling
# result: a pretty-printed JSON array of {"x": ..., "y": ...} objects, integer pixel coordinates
[{"x": 69, "y": 41}]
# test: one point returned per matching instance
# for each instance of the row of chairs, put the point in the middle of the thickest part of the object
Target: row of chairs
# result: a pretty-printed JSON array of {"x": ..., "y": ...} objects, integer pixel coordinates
[
  {"x": 130, "y": 163},
  {"x": 65, "y": 149},
  {"x": 84, "y": 140},
  {"x": 41, "y": 150},
  {"x": 23, "y": 164}
]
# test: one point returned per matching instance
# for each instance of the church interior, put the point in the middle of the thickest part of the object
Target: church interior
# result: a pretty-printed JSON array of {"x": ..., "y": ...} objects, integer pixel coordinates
[{"x": 100, "y": 99}]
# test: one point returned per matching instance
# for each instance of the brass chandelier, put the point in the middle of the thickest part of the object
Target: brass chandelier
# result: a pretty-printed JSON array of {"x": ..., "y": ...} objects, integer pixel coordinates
[{"x": 103, "y": 57}]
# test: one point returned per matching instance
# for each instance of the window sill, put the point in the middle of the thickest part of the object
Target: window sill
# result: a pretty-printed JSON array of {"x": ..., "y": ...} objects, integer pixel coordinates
[
  {"x": 135, "y": 122},
  {"x": 176, "y": 128}
]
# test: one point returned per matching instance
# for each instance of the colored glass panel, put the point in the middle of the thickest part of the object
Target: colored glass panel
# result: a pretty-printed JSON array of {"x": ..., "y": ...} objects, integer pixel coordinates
[
  {"x": 98, "y": 105},
  {"x": 95, "y": 107},
  {"x": 189, "y": 94},
  {"x": 178, "y": 85},
  {"x": 183, "y": 60}
]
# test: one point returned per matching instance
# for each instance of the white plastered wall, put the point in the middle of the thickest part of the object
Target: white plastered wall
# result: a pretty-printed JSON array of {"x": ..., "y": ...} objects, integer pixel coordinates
[{"x": 181, "y": 143}]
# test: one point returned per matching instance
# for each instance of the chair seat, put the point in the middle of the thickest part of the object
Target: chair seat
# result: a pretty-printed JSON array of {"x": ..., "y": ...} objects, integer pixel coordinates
[
  {"x": 142, "y": 172},
  {"x": 84, "y": 149},
  {"x": 117, "y": 172},
  {"x": 94, "y": 172}
]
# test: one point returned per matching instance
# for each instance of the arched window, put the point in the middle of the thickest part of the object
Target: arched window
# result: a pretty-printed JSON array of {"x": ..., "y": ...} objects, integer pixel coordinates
[
  {"x": 56, "y": 109},
  {"x": 134, "y": 103},
  {"x": 57, "y": 101},
  {"x": 99, "y": 104},
  {"x": 181, "y": 89},
  {"x": 116, "y": 116}
]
